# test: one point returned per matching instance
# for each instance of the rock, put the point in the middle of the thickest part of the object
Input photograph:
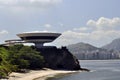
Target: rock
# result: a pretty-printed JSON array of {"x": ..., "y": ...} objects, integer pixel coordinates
[
  {"x": 57, "y": 58},
  {"x": 84, "y": 69}
]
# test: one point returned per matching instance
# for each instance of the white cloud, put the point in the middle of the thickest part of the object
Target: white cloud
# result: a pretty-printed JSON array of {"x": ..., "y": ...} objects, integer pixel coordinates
[
  {"x": 28, "y": 3},
  {"x": 27, "y": 6},
  {"x": 91, "y": 23},
  {"x": 81, "y": 29},
  {"x": 3, "y": 32},
  {"x": 47, "y": 25},
  {"x": 60, "y": 24},
  {"x": 104, "y": 23},
  {"x": 98, "y": 33},
  {"x": 69, "y": 37},
  {"x": 97, "y": 38}
]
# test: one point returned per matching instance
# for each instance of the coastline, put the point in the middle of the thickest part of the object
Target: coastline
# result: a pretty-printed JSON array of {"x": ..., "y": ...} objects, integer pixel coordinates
[{"x": 38, "y": 74}]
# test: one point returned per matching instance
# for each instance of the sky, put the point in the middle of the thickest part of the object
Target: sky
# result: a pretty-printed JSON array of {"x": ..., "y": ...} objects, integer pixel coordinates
[{"x": 96, "y": 22}]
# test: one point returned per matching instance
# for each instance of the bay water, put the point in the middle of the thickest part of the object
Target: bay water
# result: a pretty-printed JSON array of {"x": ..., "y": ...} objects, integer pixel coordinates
[{"x": 100, "y": 70}]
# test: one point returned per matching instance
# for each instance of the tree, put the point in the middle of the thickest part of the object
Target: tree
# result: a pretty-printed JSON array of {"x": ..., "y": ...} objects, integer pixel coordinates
[
  {"x": 25, "y": 57},
  {"x": 5, "y": 66},
  {"x": 17, "y": 57}
]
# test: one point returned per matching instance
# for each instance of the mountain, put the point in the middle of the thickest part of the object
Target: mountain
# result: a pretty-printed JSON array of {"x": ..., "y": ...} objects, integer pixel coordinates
[
  {"x": 81, "y": 47},
  {"x": 86, "y": 51},
  {"x": 114, "y": 45}
]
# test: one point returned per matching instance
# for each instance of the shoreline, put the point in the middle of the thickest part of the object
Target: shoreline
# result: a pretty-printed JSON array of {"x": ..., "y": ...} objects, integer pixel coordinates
[
  {"x": 38, "y": 74},
  {"x": 56, "y": 75}
]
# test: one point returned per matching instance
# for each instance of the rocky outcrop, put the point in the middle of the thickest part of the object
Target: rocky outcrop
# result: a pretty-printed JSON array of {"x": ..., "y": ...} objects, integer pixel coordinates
[{"x": 59, "y": 58}]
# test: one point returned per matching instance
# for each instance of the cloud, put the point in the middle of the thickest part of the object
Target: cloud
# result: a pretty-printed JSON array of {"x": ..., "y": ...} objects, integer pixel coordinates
[
  {"x": 27, "y": 6},
  {"x": 29, "y": 3},
  {"x": 104, "y": 23},
  {"x": 98, "y": 33},
  {"x": 3, "y": 32},
  {"x": 47, "y": 25},
  {"x": 69, "y": 37},
  {"x": 81, "y": 29},
  {"x": 60, "y": 24}
]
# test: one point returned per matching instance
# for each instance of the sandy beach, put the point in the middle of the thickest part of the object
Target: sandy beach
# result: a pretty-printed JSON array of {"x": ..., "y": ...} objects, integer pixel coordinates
[{"x": 37, "y": 74}]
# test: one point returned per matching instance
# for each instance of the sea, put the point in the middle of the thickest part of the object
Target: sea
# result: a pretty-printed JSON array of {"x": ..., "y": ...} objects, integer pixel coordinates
[{"x": 100, "y": 70}]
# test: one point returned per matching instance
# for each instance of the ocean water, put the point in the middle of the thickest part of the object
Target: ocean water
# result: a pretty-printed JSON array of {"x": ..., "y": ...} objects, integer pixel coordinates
[{"x": 100, "y": 70}]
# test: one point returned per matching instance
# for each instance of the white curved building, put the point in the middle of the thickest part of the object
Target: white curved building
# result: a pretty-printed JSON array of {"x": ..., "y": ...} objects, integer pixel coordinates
[{"x": 38, "y": 38}]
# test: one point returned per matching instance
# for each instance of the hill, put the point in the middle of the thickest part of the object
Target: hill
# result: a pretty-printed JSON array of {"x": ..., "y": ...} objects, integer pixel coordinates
[
  {"x": 81, "y": 47},
  {"x": 86, "y": 51},
  {"x": 114, "y": 45}
]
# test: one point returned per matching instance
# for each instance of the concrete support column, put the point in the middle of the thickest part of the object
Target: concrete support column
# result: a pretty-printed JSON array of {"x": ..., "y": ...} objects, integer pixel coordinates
[{"x": 39, "y": 45}]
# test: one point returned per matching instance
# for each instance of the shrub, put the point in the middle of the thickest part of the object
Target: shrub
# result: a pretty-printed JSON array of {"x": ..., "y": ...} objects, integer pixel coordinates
[
  {"x": 25, "y": 57},
  {"x": 5, "y": 67}
]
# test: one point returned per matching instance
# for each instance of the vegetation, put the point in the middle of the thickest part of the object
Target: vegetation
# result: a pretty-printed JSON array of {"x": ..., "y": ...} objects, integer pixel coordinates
[
  {"x": 18, "y": 57},
  {"x": 5, "y": 66}
]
